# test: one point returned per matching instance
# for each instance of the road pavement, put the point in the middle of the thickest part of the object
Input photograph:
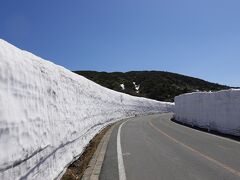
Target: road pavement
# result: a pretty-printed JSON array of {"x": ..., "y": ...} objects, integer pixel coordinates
[{"x": 155, "y": 148}]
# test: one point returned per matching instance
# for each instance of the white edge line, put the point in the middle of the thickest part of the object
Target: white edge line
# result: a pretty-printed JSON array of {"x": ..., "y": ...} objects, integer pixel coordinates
[{"x": 121, "y": 169}]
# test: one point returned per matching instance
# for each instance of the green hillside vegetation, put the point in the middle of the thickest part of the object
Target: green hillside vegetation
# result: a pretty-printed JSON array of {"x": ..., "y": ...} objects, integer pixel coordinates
[{"x": 158, "y": 85}]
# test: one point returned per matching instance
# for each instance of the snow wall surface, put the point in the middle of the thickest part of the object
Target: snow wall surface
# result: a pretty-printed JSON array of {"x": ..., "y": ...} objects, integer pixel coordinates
[
  {"x": 49, "y": 114},
  {"x": 219, "y": 111}
]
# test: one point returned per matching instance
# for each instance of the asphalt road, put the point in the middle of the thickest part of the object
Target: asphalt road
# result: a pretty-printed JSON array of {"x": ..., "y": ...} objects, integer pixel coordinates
[{"x": 155, "y": 148}]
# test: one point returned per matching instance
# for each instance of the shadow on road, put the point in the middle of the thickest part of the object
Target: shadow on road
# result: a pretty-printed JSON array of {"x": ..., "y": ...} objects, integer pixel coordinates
[{"x": 236, "y": 138}]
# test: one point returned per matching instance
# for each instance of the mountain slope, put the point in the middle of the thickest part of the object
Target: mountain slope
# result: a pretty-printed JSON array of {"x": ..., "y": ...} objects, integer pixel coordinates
[{"x": 159, "y": 85}]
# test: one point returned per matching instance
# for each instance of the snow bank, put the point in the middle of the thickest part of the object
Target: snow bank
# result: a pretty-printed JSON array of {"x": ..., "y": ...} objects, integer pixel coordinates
[
  {"x": 49, "y": 114},
  {"x": 218, "y": 111}
]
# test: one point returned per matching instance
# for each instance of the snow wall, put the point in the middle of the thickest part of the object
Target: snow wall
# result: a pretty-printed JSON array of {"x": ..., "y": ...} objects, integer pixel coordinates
[
  {"x": 49, "y": 114},
  {"x": 219, "y": 111}
]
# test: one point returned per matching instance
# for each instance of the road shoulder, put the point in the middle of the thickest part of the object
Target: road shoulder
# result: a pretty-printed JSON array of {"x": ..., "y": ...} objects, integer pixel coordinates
[{"x": 77, "y": 169}]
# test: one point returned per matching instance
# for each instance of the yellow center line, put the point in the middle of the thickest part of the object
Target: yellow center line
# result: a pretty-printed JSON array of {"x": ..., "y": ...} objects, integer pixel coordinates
[{"x": 224, "y": 166}]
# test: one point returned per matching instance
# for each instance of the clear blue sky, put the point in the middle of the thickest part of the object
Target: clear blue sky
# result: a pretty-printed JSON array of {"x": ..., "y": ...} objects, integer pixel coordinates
[{"x": 200, "y": 38}]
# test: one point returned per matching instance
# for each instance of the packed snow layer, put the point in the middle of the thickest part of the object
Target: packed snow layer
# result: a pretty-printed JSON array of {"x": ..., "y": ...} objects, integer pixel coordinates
[
  {"x": 49, "y": 114},
  {"x": 219, "y": 111}
]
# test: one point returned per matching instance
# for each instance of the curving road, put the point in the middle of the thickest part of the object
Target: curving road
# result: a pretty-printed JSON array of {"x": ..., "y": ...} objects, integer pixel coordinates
[{"x": 155, "y": 148}]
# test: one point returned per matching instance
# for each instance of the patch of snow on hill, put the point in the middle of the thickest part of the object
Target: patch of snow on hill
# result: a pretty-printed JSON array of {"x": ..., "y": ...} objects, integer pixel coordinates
[
  {"x": 137, "y": 87},
  {"x": 49, "y": 114},
  {"x": 122, "y": 86}
]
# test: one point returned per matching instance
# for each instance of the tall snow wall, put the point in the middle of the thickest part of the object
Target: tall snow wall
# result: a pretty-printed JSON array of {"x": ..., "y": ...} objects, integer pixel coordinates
[
  {"x": 219, "y": 111},
  {"x": 49, "y": 114}
]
